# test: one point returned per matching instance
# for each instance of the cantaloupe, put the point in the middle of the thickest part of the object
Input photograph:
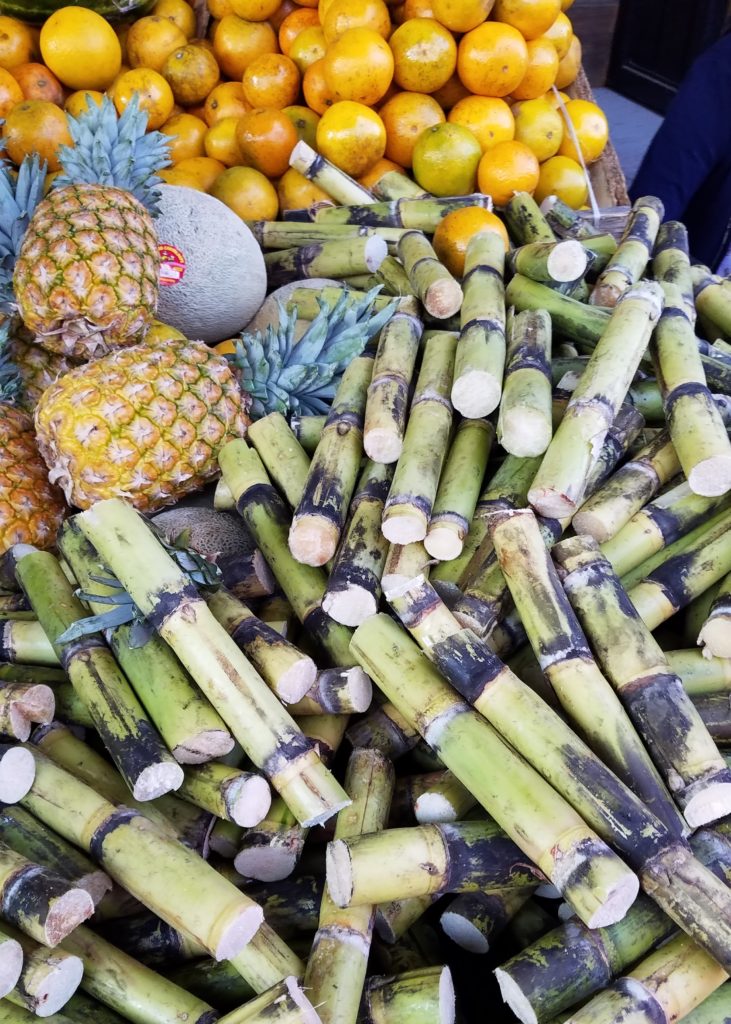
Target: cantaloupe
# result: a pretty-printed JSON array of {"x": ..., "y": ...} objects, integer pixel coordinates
[{"x": 212, "y": 277}]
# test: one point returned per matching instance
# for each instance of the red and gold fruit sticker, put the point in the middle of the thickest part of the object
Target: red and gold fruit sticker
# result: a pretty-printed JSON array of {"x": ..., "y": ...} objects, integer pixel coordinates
[{"x": 172, "y": 264}]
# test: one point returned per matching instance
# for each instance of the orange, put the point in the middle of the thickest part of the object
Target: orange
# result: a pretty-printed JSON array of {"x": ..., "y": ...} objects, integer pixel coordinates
[
  {"x": 10, "y": 92},
  {"x": 461, "y": 15},
  {"x": 488, "y": 118},
  {"x": 591, "y": 128},
  {"x": 226, "y": 100},
  {"x": 359, "y": 66},
  {"x": 451, "y": 93},
  {"x": 492, "y": 59},
  {"x": 248, "y": 193},
  {"x": 541, "y": 71},
  {"x": 16, "y": 43},
  {"x": 255, "y": 10},
  {"x": 81, "y": 48},
  {"x": 186, "y": 134},
  {"x": 344, "y": 14},
  {"x": 406, "y": 116},
  {"x": 36, "y": 126},
  {"x": 237, "y": 42},
  {"x": 151, "y": 40},
  {"x": 204, "y": 168},
  {"x": 186, "y": 179},
  {"x": 271, "y": 80},
  {"x": 507, "y": 168},
  {"x": 285, "y": 8},
  {"x": 191, "y": 72},
  {"x": 153, "y": 93},
  {"x": 374, "y": 174},
  {"x": 418, "y": 9},
  {"x": 308, "y": 3},
  {"x": 305, "y": 123},
  {"x": 531, "y": 17},
  {"x": 293, "y": 24},
  {"x": 352, "y": 136},
  {"x": 315, "y": 88},
  {"x": 201, "y": 41},
  {"x": 540, "y": 127},
  {"x": 179, "y": 12},
  {"x": 569, "y": 65},
  {"x": 219, "y": 9},
  {"x": 77, "y": 102},
  {"x": 445, "y": 160},
  {"x": 266, "y": 139},
  {"x": 563, "y": 177},
  {"x": 554, "y": 100},
  {"x": 221, "y": 143},
  {"x": 38, "y": 83},
  {"x": 456, "y": 229},
  {"x": 308, "y": 47},
  {"x": 297, "y": 193},
  {"x": 560, "y": 34},
  {"x": 425, "y": 55}
]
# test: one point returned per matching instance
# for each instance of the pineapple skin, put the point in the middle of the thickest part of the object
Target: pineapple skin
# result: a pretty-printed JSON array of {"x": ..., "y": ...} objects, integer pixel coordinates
[
  {"x": 31, "y": 509},
  {"x": 86, "y": 279},
  {"x": 38, "y": 368},
  {"x": 144, "y": 423}
]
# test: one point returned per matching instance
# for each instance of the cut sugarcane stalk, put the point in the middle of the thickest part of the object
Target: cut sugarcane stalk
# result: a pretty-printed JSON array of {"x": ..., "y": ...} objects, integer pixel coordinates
[
  {"x": 625, "y": 429},
  {"x": 223, "y": 499},
  {"x": 428, "y": 799},
  {"x": 596, "y": 883},
  {"x": 292, "y": 905},
  {"x": 217, "y": 982},
  {"x": 459, "y": 488},
  {"x": 388, "y": 392},
  {"x": 524, "y": 425},
  {"x": 384, "y": 729},
  {"x": 290, "y": 234},
  {"x": 284, "y": 1003},
  {"x": 634, "y": 663},
  {"x": 602, "y": 248},
  {"x": 271, "y": 850},
  {"x": 701, "y": 676},
  {"x": 393, "y": 278},
  {"x": 472, "y": 919},
  {"x": 561, "y": 480},
  {"x": 571, "y": 318},
  {"x": 714, "y": 1008},
  {"x": 403, "y": 562},
  {"x": 11, "y": 963},
  {"x": 633, "y": 253},
  {"x": 415, "y": 214},
  {"x": 480, "y": 358},
  {"x": 286, "y": 670},
  {"x": 22, "y": 704},
  {"x": 320, "y": 515},
  {"x": 336, "y": 691},
  {"x": 25, "y": 643},
  {"x": 327, "y": 176},
  {"x": 671, "y": 268},
  {"x": 712, "y": 299},
  {"x": 354, "y": 585},
  {"x": 241, "y": 797},
  {"x": 335, "y": 259},
  {"x": 336, "y": 968},
  {"x": 284, "y": 458},
  {"x": 146, "y": 937},
  {"x": 415, "y": 481},
  {"x": 224, "y": 839},
  {"x": 395, "y": 185},
  {"x": 49, "y": 977},
  {"x": 423, "y": 996},
  {"x": 438, "y": 291},
  {"x": 305, "y": 301},
  {"x": 526, "y": 223},
  {"x": 252, "y": 711},
  {"x": 715, "y": 711},
  {"x": 550, "y": 262},
  {"x": 395, "y": 919},
  {"x": 715, "y": 635}
]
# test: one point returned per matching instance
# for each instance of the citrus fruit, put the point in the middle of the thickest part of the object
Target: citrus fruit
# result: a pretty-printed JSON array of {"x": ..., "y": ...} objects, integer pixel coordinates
[
  {"x": 405, "y": 117},
  {"x": 456, "y": 229},
  {"x": 222, "y": 144},
  {"x": 531, "y": 17},
  {"x": 492, "y": 59},
  {"x": 315, "y": 89},
  {"x": 568, "y": 67},
  {"x": 219, "y": 9},
  {"x": 255, "y": 10},
  {"x": 345, "y": 14},
  {"x": 77, "y": 103},
  {"x": 417, "y": 9},
  {"x": 590, "y": 126},
  {"x": 359, "y": 66},
  {"x": 186, "y": 134},
  {"x": 541, "y": 71},
  {"x": 203, "y": 168},
  {"x": 271, "y": 80},
  {"x": 560, "y": 34},
  {"x": 237, "y": 42},
  {"x": 507, "y": 168},
  {"x": 488, "y": 118},
  {"x": 81, "y": 48},
  {"x": 266, "y": 139},
  {"x": 191, "y": 72},
  {"x": 177, "y": 11},
  {"x": 185, "y": 179},
  {"x": 153, "y": 93},
  {"x": 16, "y": 43},
  {"x": 305, "y": 122},
  {"x": 36, "y": 126},
  {"x": 565, "y": 4},
  {"x": 451, "y": 92},
  {"x": 308, "y": 47},
  {"x": 554, "y": 97},
  {"x": 226, "y": 100},
  {"x": 352, "y": 136},
  {"x": 296, "y": 192},
  {"x": 38, "y": 83},
  {"x": 563, "y": 177},
  {"x": 540, "y": 127},
  {"x": 10, "y": 92},
  {"x": 461, "y": 15},
  {"x": 374, "y": 174},
  {"x": 445, "y": 160},
  {"x": 425, "y": 55},
  {"x": 285, "y": 8},
  {"x": 293, "y": 24},
  {"x": 151, "y": 40},
  {"x": 247, "y": 192}
]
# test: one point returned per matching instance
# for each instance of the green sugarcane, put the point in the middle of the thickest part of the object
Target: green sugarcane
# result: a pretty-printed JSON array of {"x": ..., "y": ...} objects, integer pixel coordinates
[
  {"x": 633, "y": 253},
  {"x": 219, "y": 984},
  {"x": 551, "y": 262},
  {"x": 75, "y": 1011},
  {"x": 384, "y": 729},
  {"x": 718, "y": 374},
  {"x": 11, "y": 963},
  {"x": 721, "y": 348},
  {"x": 223, "y": 499},
  {"x": 602, "y": 248},
  {"x": 480, "y": 360},
  {"x": 626, "y": 428},
  {"x": 395, "y": 919},
  {"x": 256, "y": 718},
  {"x": 284, "y": 458},
  {"x": 319, "y": 517},
  {"x": 474, "y": 920},
  {"x": 430, "y": 280},
  {"x": 327, "y": 176},
  {"x": 403, "y": 562},
  {"x": 24, "y": 642},
  {"x": 671, "y": 268},
  {"x": 48, "y": 980},
  {"x": 571, "y": 318},
  {"x": 416, "y": 478},
  {"x": 70, "y": 707},
  {"x": 715, "y": 1008},
  {"x": 354, "y": 585},
  {"x": 307, "y": 430},
  {"x": 336, "y": 968},
  {"x": 307, "y": 301},
  {"x": 336, "y": 691},
  {"x": 393, "y": 278},
  {"x": 278, "y": 613},
  {"x": 224, "y": 838},
  {"x": 459, "y": 489},
  {"x": 715, "y": 713},
  {"x": 430, "y": 799},
  {"x": 339, "y": 258},
  {"x": 284, "y": 1003},
  {"x": 424, "y": 996},
  {"x": 241, "y": 797},
  {"x": 712, "y": 299},
  {"x": 150, "y": 940},
  {"x": 700, "y": 676},
  {"x": 388, "y": 392},
  {"x": 395, "y": 185},
  {"x": 415, "y": 214},
  {"x": 524, "y": 425},
  {"x": 526, "y": 223},
  {"x": 716, "y": 630},
  {"x": 291, "y": 234},
  {"x": 292, "y": 905},
  {"x": 22, "y": 704},
  {"x": 561, "y": 480}
]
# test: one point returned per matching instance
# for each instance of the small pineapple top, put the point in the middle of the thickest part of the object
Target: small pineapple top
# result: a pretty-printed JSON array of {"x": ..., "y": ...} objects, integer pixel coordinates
[
  {"x": 10, "y": 383},
  {"x": 19, "y": 196}
]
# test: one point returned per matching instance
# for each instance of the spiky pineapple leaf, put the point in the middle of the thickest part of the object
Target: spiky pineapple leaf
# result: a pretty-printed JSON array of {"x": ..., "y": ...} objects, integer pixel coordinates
[
  {"x": 20, "y": 194},
  {"x": 11, "y": 384}
]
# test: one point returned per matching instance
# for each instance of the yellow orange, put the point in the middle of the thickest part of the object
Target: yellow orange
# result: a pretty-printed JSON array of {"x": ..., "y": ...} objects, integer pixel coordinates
[
  {"x": 461, "y": 15},
  {"x": 237, "y": 42},
  {"x": 540, "y": 127},
  {"x": 296, "y": 192},
  {"x": 179, "y": 12},
  {"x": 488, "y": 118},
  {"x": 10, "y": 92},
  {"x": 222, "y": 144},
  {"x": 293, "y": 24},
  {"x": 266, "y": 139},
  {"x": 352, "y": 136},
  {"x": 36, "y": 126},
  {"x": 451, "y": 92},
  {"x": 374, "y": 174},
  {"x": 359, "y": 66},
  {"x": 405, "y": 116},
  {"x": 342, "y": 15},
  {"x": 563, "y": 177},
  {"x": 271, "y": 80},
  {"x": 308, "y": 46},
  {"x": 226, "y": 100},
  {"x": 203, "y": 168},
  {"x": 186, "y": 134},
  {"x": 425, "y": 55},
  {"x": 492, "y": 59},
  {"x": 317, "y": 93},
  {"x": 81, "y": 48},
  {"x": 568, "y": 67},
  {"x": 541, "y": 71},
  {"x": 192, "y": 73},
  {"x": 560, "y": 34},
  {"x": 531, "y": 17},
  {"x": 285, "y": 8},
  {"x": 507, "y": 168},
  {"x": 153, "y": 93},
  {"x": 151, "y": 40},
  {"x": 16, "y": 42},
  {"x": 78, "y": 101},
  {"x": 417, "y": 9},
  {"x": 247, "y": 192},
  {"x": 219, "y": 9},
  {"x": 591, "y": 129},
  {"x": 445, "y": 160},
  {"x": 454, "y": 232},
  {"x": 305, "y": 122},
  {"x": 255, "y": 10},
  {"x": 185, "y": 179},
  {"x": 553, "y": 99}
]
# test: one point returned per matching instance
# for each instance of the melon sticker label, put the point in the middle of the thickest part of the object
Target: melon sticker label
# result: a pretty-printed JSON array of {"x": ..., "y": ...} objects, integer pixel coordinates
[{"x": 172, "y": 264}]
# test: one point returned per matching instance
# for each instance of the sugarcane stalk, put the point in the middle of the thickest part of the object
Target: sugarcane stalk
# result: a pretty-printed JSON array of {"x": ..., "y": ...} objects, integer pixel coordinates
[
  {"x": 551, "y": 262},
  {"x": 403, "y": 562},
  {"x": 48, "y": 978},
  {"x": 526, "y": 223},
  {"x": 305, "y": 301},
  {"x": 290, "y": 234},
  {"x": 438, "y": 291},
  {"x": 336, "y": 691},
  {"x": 395, "y": 185},
  {"x": 423, "y": 996},
  {"x": 712, "y": 299},
  {"x": 241, "y": 797},
  {"x": 715, "y": 634},
  {"x": 25, "y": 642},
  {"x": 12, "y": 602},
  {"x": 148, "y": 939},
  {"x": 11, "y": 963},
  {"x": 256, "y": 718},
  {"x": 524, "y": 425},
  {"x": 388, "y": 392},
  {"x": 473, "y": 919},
  {"x": 671, "y": 268},
  {"x": 338, "y": 258},
  {"x": 430, "y": 799},
  {"x": 393, "y": 278},
  {"x": 327, "y": 176},
  {"x": 633, "y": 253},
  {"x": 715, "y": 711},
  {"x": 319, "y": 517},
  {"x": 284, "y": 458},
  {"x": 416, "y": 478},
  {"x": 571, "y": 318},
  {"x": 395, "y": 919},
  {"x": 218, "y": 983},
  {"x": 700, "y": 675},
  {"x": 415, "y": 214},
  {"x": 284, "y": 1003},
  {"x": 22, "y": 704},
  {"x": 624, "y": 430},
  {"x": 715, "y": 1008},
  {"x": 561, "y": 480},
  {"x": 384, "y": 729}
]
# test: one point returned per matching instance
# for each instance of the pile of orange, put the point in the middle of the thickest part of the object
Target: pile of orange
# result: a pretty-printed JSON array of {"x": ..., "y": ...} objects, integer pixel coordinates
[{"x": 461, "y": 94}]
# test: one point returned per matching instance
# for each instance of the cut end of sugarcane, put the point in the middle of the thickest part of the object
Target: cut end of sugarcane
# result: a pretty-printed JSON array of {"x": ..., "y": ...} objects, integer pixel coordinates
[
  {"x": 250, "y": 801},
  {"x": 294, "y": 682},
  {"x": 524, "y": 432},
  {"x": 708, "y": 804},
  {"x": 97, "y": 884},
  {"x": 615, "y": 906},
  {"x": 271, "y": 863},
  {"x": 338, "y": 872},
  {"x": 38, "y": 704},
  {"x": 17, "y": 772},
  {"x": 308, "y": 1014},
  {"x": 710, "y": 478},
  {"x": 463, "y": 932},
  {"x": 239, "y": 932},
  {"x": 313, "y": 794},
  {"x": 433, "y": 808},
  {"x": 381, "y": 445},
  {"x": 605, "y": 295},
  {"x": 57, "y": 986},
  {"x": 567, "y": 261},
  {"x": 447, "y": 1003},
  {"x": 587, "y": 521},
  {"x": 20, "y": 725},
  {"x": 403, "y": 524},
  {"x": 550, "y": 503},
  {"x": 715, "y": 637},
  {"x": 313, "y": 540},
  {"x": 11, "y": 964},
  {"x": 204, "y": 746},
  {"x": 547, "y": 891},
  {"x": 351, "y": 605},
  {"x": 158, "y": 779},
  {"x": 443, "y": 298},
  {"x": 476, "y": 394},
  {"x": 66, "y": 913},
  {"x": 444, "y": 542},
  {"x": 513, "y": 996},
  {"x": 375, "y": 252}
]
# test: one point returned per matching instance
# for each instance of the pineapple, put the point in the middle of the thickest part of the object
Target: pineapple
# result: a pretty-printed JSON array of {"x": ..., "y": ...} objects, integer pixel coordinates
[
  {"x": 37, "y": 367},
  {"x": 86, "y": 276}
]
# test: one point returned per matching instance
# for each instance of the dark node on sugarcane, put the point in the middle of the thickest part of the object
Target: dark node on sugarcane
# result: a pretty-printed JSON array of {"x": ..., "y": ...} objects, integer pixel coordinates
[{"x": 44, "y": 904}]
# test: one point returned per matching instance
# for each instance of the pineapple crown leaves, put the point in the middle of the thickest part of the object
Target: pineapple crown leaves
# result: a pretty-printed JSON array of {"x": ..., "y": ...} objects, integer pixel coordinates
[
  {"x": 19, "y": 196},
  {"x": 115, "y": 151},
  {"x": 282, "y": 375},
  {"x": 11, "y": 387}
]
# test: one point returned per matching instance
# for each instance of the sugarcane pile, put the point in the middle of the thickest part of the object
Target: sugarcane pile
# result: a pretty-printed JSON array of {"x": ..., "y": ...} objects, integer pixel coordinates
[{"x": 451, "y": 660}]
